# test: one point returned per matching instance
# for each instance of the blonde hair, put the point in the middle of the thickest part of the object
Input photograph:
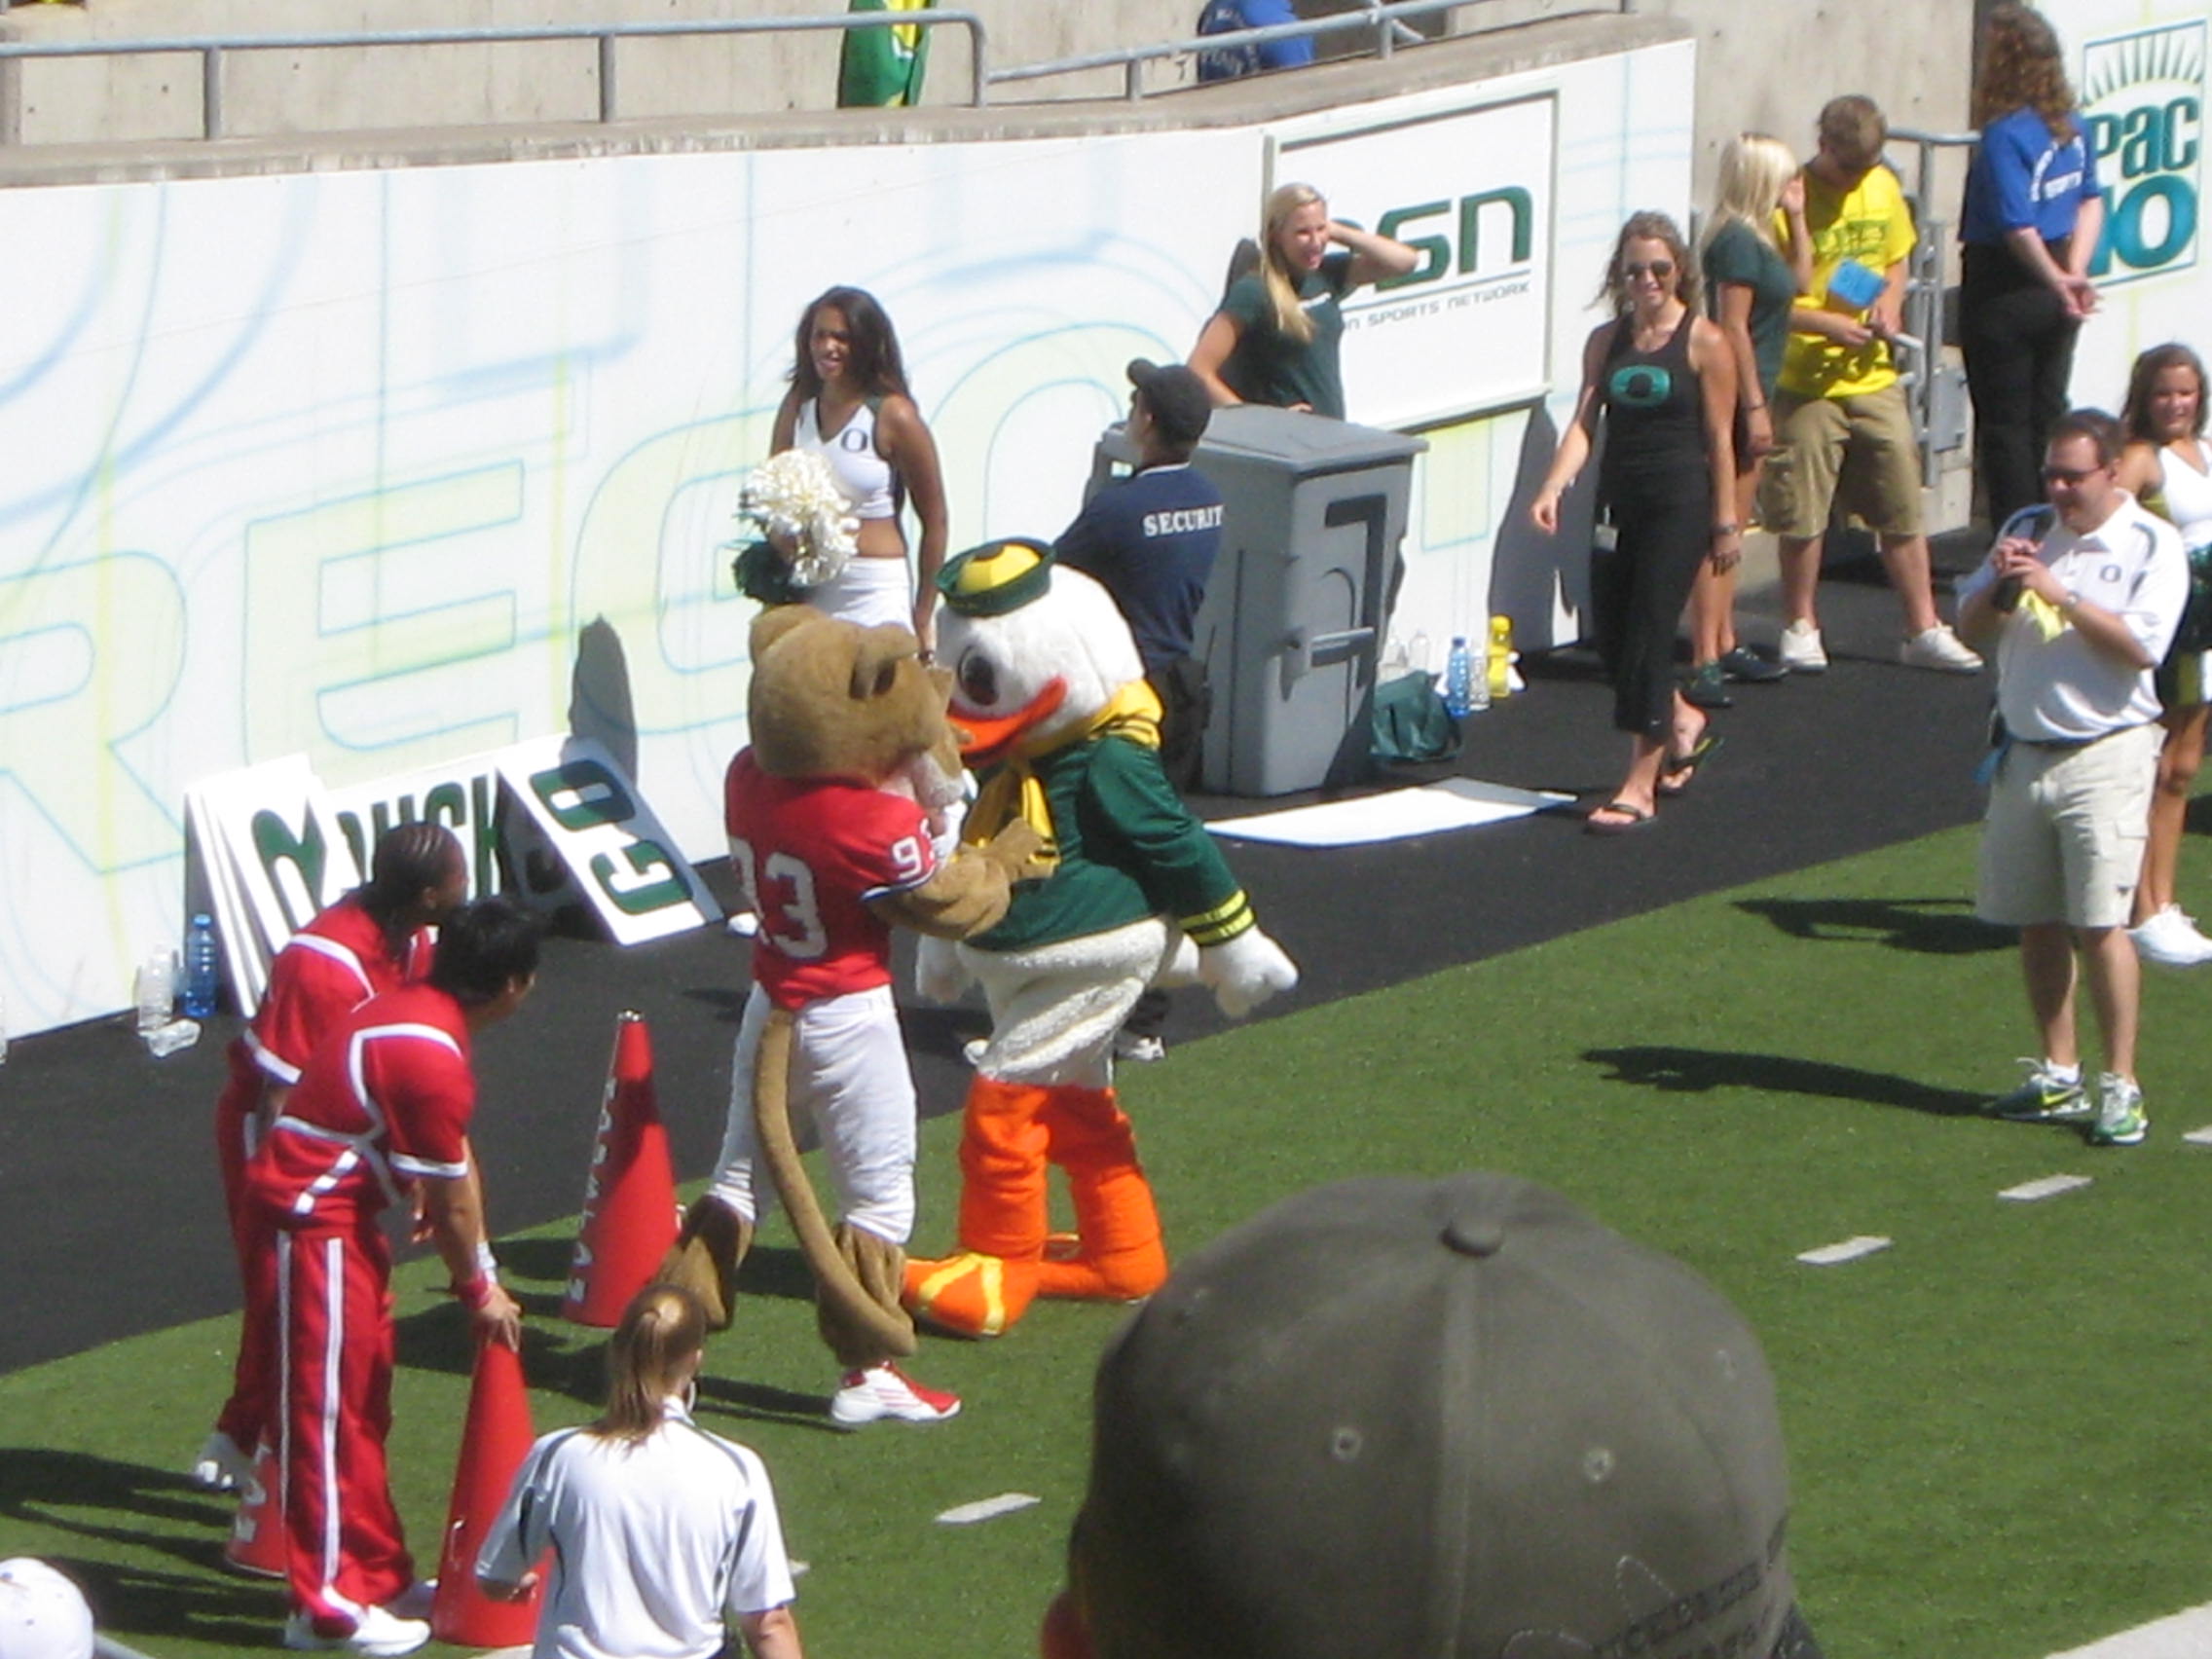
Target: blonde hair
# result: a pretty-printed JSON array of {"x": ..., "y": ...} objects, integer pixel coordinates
[
  {"x": 1281, "y": 282},
  {"x": 1754, "y": 170},
  {"x": 650, "y": 1357}
]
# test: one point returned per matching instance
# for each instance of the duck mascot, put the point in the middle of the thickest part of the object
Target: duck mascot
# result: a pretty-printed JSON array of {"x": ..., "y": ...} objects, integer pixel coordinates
[{"x": 1063, "y": 735}]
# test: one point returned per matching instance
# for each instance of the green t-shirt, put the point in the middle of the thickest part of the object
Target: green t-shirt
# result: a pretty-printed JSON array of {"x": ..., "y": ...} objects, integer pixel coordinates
[
  {"x": 1268, "y": 365},
  {"x": 1129, "y": 848},
  {"x": 1737, "y": 254}
]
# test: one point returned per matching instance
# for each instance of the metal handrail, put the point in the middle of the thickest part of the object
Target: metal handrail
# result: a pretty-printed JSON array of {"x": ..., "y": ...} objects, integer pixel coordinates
[
  {"x": 1386, "y": 20},
  {"x": 212, "y": 48},
  {"x": 1924, "y": 284}
]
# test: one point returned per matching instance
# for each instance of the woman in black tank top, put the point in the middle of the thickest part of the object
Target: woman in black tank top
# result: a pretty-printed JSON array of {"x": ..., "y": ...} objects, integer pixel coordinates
[{"x": 1663, "y": 382}]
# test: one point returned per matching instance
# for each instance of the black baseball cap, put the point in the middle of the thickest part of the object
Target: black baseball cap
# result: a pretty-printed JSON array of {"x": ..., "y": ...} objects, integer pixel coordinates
[
  {"x": 1176, "y": 397},
  {"x": 1400, "y": 1418}
]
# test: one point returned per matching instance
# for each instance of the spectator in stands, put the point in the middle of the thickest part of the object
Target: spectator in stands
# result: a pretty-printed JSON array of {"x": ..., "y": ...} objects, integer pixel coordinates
[
  {"x": 1151, "y": 540},
  {"x": 1229, "y": 62},
  {"x": 1662, "y": 379},
  {"x": 42, "y": 1614},
  {"x": 662, "y": 1534},
  {"x": 1756, "y": 258},
  {"x": 1274, "y": 338},
  {"x": 1403, "y": 1417},
  {"x": 2081, "y": 606},
  {"x": 849, "y": 405},
  {"x": 2028, "y": 229},
  {"x": 1842, "y": 426},
  {"x": 2168, "y": 467}
]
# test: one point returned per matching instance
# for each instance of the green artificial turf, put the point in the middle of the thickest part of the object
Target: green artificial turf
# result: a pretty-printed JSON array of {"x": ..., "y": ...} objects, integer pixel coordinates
[{"x": 1994, "y": 1425}]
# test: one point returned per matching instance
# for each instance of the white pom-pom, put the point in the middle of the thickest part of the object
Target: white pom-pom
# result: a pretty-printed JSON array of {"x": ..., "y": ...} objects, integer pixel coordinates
[{"x": 794, "y": 495}]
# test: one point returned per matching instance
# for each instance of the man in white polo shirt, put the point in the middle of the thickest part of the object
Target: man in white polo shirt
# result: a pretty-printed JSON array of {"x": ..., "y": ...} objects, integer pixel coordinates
[{"x": 2080, "y": 599}]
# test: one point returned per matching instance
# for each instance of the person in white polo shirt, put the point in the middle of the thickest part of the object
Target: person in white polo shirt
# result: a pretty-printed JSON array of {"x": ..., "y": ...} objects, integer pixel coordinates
[
  {"x": 663, "y": 1535},
  {"x": 2080, "y": 599}
]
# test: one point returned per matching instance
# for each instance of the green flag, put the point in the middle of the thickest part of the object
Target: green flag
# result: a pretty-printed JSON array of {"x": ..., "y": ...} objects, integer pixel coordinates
[{"x": 883, "y": 66}]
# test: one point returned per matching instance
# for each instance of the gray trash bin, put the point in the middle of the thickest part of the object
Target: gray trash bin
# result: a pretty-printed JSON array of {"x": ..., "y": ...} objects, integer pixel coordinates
[{"x": 1313, "y": 510}]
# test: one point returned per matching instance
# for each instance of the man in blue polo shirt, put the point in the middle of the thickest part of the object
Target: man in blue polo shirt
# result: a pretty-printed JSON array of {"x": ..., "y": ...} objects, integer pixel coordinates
[{"x": 1150, "y": 540}]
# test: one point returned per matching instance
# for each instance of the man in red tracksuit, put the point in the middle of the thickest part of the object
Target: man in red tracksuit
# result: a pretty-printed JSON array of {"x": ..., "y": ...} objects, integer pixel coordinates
[
  {"x": 376, "y": 938},
  {"x": 381, "y": 1109}
]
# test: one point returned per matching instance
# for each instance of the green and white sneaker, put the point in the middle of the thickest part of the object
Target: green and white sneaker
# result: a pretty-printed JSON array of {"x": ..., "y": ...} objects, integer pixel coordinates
[
  {"x": 2120, "y": 1118},
  {"x": 2048, "y": 1096}
]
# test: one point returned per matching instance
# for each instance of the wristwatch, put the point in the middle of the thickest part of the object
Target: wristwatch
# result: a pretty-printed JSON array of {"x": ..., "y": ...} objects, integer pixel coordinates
[{"x": 1726, "y": 529}]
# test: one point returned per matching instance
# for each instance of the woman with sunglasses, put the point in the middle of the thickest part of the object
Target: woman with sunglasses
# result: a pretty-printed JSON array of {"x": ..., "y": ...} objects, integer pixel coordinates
[{"x": 1663, "y": 381}]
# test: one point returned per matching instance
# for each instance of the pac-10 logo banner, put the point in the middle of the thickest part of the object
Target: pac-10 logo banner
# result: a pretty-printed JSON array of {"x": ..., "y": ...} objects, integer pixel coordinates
[{"x": 2143, "y": 97}]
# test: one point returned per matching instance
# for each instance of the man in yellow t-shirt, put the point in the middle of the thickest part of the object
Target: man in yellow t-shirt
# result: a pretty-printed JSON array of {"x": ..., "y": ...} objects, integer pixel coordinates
[{"x": 1841, "y": 424}]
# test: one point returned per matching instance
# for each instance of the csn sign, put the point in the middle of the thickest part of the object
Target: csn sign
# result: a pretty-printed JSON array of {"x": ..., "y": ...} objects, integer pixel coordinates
[{"x": 2143, "y": 97}]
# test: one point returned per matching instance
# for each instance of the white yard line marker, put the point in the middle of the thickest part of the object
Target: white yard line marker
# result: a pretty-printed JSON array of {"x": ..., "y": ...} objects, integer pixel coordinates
[
  {"x": 2043, "y": 1187},
  {"x": 986, "y": 1509},
  {"x": 2199, "y": 1137},
  {"x": 2184, "y": 1635},
  {"x": 1850, "y": 1250}
]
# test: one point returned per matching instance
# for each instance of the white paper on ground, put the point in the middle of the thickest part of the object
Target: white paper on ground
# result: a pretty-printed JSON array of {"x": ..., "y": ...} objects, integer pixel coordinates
[
  {"x": 1456, "y": 803},
  {"x": 2184, "y": 1635},
  {"x": 2199, "y": 1137},
  {"x": 2043, "y": 1187},
  {"x": 986, "y": 1508},
  {"x": 1849, "y": 1250}
]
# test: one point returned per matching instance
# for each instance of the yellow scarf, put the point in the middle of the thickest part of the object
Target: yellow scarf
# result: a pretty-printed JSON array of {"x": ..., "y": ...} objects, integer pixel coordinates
[{"x": 1132, "y": 712}]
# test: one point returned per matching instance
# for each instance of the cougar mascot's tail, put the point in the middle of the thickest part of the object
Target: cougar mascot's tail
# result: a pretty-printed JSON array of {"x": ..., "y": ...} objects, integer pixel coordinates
[{"x": 1063, "y": 733}]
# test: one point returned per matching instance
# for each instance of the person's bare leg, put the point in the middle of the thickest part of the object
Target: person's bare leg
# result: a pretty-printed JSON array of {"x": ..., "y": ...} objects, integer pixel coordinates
[
  {"x": 1711, "y": 608},
  {"x": 2179, "y": 758},
  {"x": 2046, "y": 964},
  {"x": 1905, "y": 560},
  {"x": 1799, "y": 557},
  {"x": 2115, "y": 990}
]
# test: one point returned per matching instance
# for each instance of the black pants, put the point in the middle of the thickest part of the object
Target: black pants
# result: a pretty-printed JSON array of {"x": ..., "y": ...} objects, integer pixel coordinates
[
  {"x": 1639, "y": 591},
  {"x": 2018, "y": 345}
]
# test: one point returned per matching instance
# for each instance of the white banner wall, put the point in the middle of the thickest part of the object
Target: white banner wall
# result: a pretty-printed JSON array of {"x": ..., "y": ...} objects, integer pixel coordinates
[{"x": 383, "y": 468}]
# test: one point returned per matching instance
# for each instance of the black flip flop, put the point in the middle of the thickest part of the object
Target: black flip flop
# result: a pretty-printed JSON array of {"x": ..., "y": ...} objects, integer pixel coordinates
[
  {"x": 1638, "y": 819},
  {"x": 1679, "y": 771}
]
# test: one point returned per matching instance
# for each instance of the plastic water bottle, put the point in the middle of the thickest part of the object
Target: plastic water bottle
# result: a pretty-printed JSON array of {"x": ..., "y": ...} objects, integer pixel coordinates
[
  {"x": 199, "y": 967},
  {"x": 1460, "y": 680},
  {"x": 154, "y": 992}
]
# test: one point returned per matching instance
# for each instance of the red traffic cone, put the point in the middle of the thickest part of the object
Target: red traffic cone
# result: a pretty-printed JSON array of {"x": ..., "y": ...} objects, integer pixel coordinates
[
  {"x": 257, "y": 1542},
  {"x": 492, "y": 1445},
  {"x": 629, "y": 1214}
]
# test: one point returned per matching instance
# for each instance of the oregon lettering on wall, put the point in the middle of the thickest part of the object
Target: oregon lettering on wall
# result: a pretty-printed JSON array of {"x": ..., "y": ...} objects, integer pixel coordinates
[{"x": 2143, "y": 97}]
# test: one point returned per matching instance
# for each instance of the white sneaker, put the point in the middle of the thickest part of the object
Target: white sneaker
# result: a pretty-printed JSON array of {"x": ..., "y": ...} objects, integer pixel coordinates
[
  {"x": 1800, "y": 649},
  {"x": 2170, "y": 940},
  {"x": 2120, "y": 1118},
  {"x": 221, "y": 1466},
  {"x": 1939, "y": 649},
  {"x": 378, "y": 1634},
  {"x": 1127, "y": 1046},
  {"x": 885, "y": 1391},
  {"x": 971, "y": 1051}
]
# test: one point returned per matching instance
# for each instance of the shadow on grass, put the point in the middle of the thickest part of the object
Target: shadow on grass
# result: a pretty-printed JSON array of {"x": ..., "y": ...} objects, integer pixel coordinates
[
  {"x": 1932, "y": 927},
  {"x": 757, "y": 1402},
  {"x": 149, "y": 1511},
  {"x": 1699, "y": 1071}
]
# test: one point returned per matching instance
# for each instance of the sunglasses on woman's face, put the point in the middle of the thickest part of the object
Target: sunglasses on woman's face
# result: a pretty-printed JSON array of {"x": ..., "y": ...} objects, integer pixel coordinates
[{"x": 1659, "y": 268}]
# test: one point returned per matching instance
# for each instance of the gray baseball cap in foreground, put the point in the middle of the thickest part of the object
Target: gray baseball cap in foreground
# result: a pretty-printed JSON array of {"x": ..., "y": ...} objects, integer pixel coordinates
[{"x": 1398, "y": 1419}]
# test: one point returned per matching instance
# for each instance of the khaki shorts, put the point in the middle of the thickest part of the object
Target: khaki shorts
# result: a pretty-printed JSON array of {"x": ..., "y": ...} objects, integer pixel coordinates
[
  {"x": 1856, "y": 450},
  {"x": 2063, "y": 838}
]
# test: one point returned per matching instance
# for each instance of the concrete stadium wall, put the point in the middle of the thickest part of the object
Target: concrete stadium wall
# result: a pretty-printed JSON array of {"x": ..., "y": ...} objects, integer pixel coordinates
[{"x": 387, "y": 452}]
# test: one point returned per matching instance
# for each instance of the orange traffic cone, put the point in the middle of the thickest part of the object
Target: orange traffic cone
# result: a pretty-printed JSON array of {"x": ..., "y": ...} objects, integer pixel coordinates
[
  {"x": 629, "y": 1214},
  {"x": 492, "y": 1445},
  {"x": 257, "y": 1533}
]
